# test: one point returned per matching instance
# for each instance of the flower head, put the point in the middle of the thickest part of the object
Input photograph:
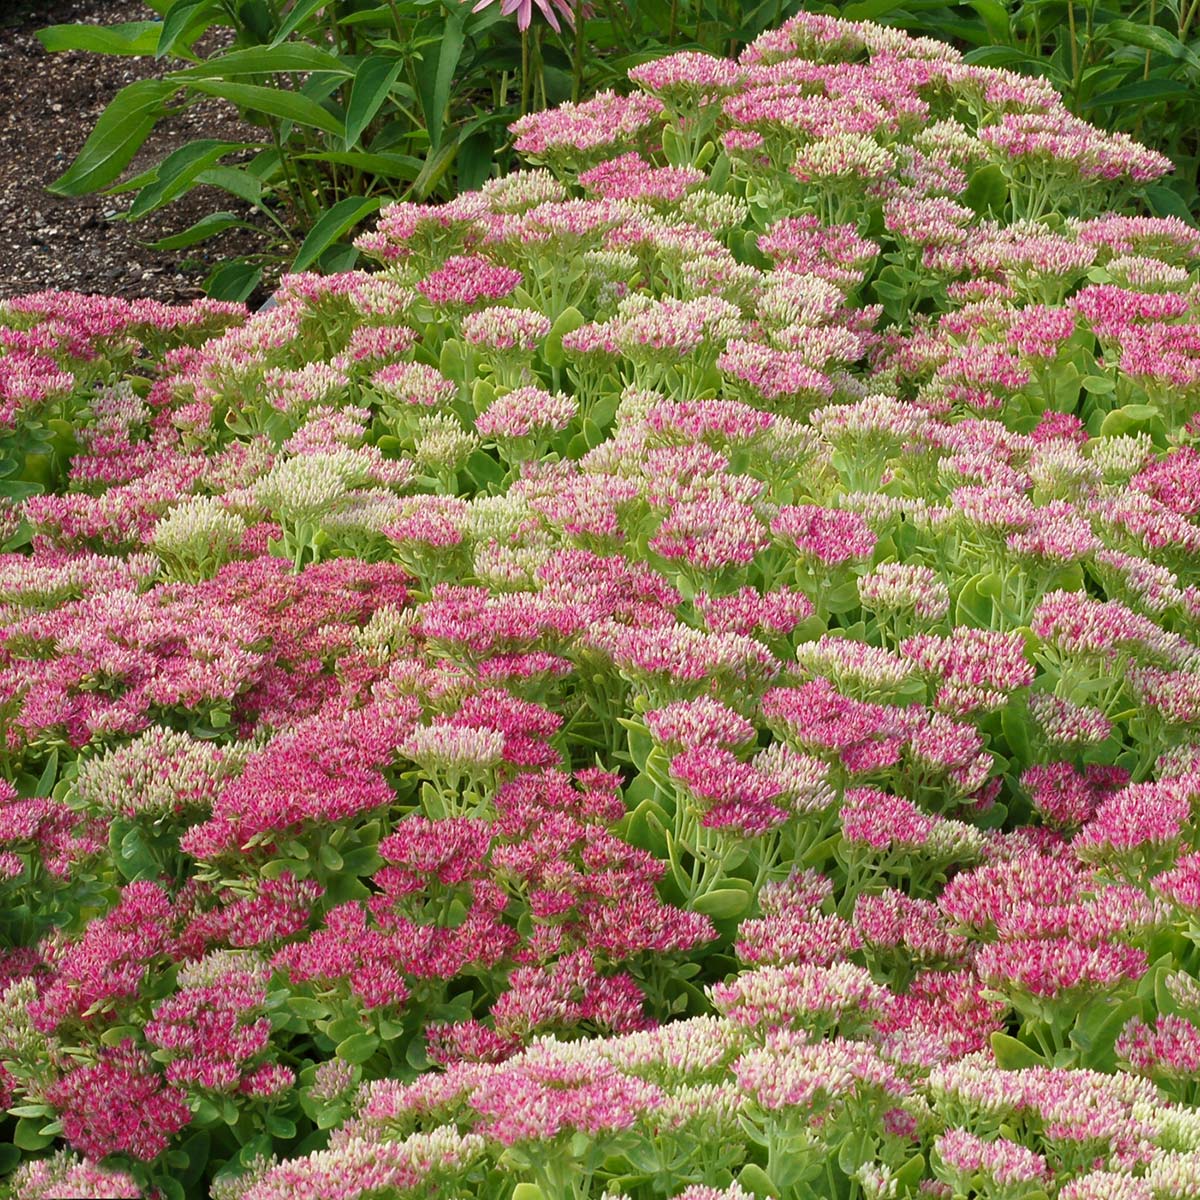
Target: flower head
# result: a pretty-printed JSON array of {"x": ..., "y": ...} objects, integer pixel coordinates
[{"x": 550, "y": 10}]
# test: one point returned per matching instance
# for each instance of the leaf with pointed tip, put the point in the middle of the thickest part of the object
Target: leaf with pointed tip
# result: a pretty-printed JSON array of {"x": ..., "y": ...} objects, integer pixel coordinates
[
  {"x": 177, "y": 172},
  {"x": 118, "y": 135},
  {"x": 183, "y": 17},
  {"x": 370, "y": 89},
  {"x": 208, "y": 226},
  {"x": 127, "y": 38},
  {"x": 266, "y": 60},
  {"x": 301, "y": 11},
  {"x": 435, "y": 73},
  {"x": 276, "y": 102}
]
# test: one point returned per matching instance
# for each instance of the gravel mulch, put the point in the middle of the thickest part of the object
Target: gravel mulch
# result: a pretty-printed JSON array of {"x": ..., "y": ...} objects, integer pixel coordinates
[{"x": 47, "y": 108}]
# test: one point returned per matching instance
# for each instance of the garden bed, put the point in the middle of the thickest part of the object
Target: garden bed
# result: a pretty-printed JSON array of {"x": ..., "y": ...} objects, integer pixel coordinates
[
  {"x": 50, "y": 103},
  {"x": 684, "y": 681}
]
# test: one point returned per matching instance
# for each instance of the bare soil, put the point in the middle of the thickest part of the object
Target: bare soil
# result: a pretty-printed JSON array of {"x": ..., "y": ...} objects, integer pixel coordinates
[{"x": 48, "y": 106}]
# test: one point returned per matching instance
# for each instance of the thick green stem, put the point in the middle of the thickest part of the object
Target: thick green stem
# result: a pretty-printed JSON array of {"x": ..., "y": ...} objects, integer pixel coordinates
[
  {"x": 617, "y": 18},
  {"x": 524, "y": 72},
  {"x": 1074, "y": 54},
  {"x": 1186, "y": 23},
  {"x": 539, "y": 94},
  {"x": 577, "y": 80},
  {"x": 399, "y": 25},
  {"x": 299, "y": 196},
  {"x": 1150, "y": 24}
]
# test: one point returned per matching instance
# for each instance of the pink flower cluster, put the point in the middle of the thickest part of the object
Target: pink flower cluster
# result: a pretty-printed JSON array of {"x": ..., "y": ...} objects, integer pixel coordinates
[{"x": 686, "y": 681}]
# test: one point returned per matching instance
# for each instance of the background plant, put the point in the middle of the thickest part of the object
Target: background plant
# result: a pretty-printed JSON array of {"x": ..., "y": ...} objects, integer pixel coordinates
[
  {"x": 356, "y": 102},
  {"x": 685, "y": 681},
  {"x": 360, "y": 101}
]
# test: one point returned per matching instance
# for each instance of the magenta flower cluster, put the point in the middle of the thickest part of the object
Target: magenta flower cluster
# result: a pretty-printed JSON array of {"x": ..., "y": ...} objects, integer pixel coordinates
[{"x": 684, "y": 682}]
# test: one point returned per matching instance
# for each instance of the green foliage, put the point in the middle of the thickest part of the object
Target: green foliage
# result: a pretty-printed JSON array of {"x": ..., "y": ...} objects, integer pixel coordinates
[{"x": 357, "y": 102}]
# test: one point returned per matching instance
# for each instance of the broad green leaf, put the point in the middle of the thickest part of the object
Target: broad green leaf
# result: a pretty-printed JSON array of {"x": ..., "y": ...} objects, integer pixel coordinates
[
  {"x": 117, "y": 136},
  {"x": 1015, "y": 723},
  {"x": 130, "y": 37},
  {"x": 357, "y": 1048},
  {"x": 134, "y": 183},
  {"x": 559, "y": 84},
  {"x": 987, "y": 191},
  {"x": 869, "y": 10},
  {"x": 195, "y": 1152},
  {"x": 435, "y": 73},
  {"x": 49, "y": 775},
  {"x": 235, "y": 180},
  {"x": 1012, "y": 1055},
  {"x": 474, "y": 162},
  {"x": 757, "y": 1182},
  {"x": 436, "y": 165},
  {"x": 1141, "y": 91},
  {"x": 257, "y": 17},
  {"x": 1166, "y": 202},
  {"x": 391, "y": 166},
  {"x": 370, "y": 89},
  {"x": 1096, "y": 1031},
  {"x": 368, "y": 16},
  {"x": 233, "y": 280},
  {"x": 909, "y": 1176},
  {"x": 16, "y": 491},
  {"x": 674, "y": 147},
  {"x": 1132, "y": 419},
  {"x": 277, "y": 867},
  {"x": 484, "y": 470},
  {"x": 732, "y": 899},
  {"x": 183, "y": 16},
  {"x": 363, "y": 861},
  {"x": 266, "y": 60},
  {"x": 28, "y": 1136},
  {"x": 995, "y": 17},
  {"x": 276, "y": 102},
  {"x": 308, "y": 1009},
  {"x": 177, "y": 172},
  {"x": 718, "y": 177},
  {"x": 1148, "y": 37},
  {"x": 208, "y": 226},
  {"x": 344, "y": 1027},
  {"x": 280, "y": 1126},
  {"x": 330, "y": 858},
  {"x": 971, "y": 606},
  {"x": 482, "y": 394},
  {"x": 301, "y": 11},
  {"x": 857, "y": 1148},
  {"x": 31, "y": 1110},
  {"x": 1009, "y": 56},
  {"x": 990, "y": 584},
  {"x": 320, "y": 85},
  {"x": 568, "y": 321}
]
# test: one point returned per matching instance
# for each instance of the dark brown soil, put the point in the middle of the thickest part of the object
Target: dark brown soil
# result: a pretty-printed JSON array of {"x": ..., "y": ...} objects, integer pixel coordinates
[{"x": 48, "y": 105}]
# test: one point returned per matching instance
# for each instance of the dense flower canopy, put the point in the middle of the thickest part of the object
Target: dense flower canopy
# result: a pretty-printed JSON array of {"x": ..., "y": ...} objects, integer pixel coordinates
[{"x": 683, "y": 682}]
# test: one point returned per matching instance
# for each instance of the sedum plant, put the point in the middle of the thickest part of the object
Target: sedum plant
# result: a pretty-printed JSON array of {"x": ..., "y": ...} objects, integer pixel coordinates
[{"x": 681, "y": 683}]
